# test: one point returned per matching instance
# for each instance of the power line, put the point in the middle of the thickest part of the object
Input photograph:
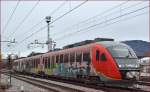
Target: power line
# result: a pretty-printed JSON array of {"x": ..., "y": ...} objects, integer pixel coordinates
[
  {"x": 42, "y": 28},
  {"x": 69, "y": 11},
  {"x": 24, "y": 19},
  {"x": 104, "y": 12},
  {"x": 120, "y": 10},
  {"x": 127, "y": 18},
  {"x": 11, "y": 16},
  {"x": 100, "y": 15},
  {"x": 102, "y": 22},
  {"x": 37, "y": 24},
  {"x": 59, "y": 7}
]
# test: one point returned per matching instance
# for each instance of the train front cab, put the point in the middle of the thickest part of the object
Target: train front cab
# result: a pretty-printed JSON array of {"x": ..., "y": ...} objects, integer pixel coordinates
[
  {"x": 112, "y": 69},
  {"x": 126, "y": 60},
  {"x": 104, "y": 64}
]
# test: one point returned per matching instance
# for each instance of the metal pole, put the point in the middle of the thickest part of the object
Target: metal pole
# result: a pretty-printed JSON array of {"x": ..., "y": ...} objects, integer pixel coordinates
[
  {"x": 49, "y": 40},
  {"x": 0, "y": 56}
]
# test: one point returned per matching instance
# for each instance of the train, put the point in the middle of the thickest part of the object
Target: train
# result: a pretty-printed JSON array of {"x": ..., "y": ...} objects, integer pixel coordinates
[{"x": 100, "y": 59}]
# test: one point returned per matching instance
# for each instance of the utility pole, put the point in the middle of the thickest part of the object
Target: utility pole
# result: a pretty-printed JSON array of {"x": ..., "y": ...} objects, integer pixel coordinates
[
  {"x": 0, "y": 55},
  {"x": 49, "y": 40},
  {"x": 50, "y": 43},
  {"x": 10, "y": 62}
]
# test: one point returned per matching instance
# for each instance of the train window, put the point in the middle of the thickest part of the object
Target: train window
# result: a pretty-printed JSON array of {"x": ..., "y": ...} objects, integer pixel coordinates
[
  {"x": 52, "y": 64},
  {"x": 38, "y": 60},
  {"x": 45, "y": 62},
  {"x": 28, "y": 64},
  {"x": 49, "y": 60},
  {"x": 78, "y": 57},
  {"x": 97, "y": 55},
  {"x": 36, "y": 63},
  {"x": 33, "y": 62},
  {"x": 66, "y": 58},
  {"x": 86, "y": 56},
  {"x": 61, "y": 58},
  {"x": 103, "y": 57},
  {"x": 53, "y": 60},
  {"x": 72, "y": 57},
  {"x": 57, "y": 59}
]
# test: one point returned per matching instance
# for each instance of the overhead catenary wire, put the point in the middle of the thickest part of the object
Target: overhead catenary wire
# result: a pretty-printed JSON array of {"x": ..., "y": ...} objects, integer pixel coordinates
[
  {"x": 32, "y": 35},
  {"x": 125, "y": 19},
  {"x": 120, "y": 10},
  {"x": 104, "y": 12},
  {"x": 102, "y": 17},
  {"x": 100, "y": 14},
  {"x": 43, "y": 20},
  {"x": 11, "y": 16},
  {"x": 125, "y": 14},
  {"x": 24, "y": 19},
  {"x": 69, "y": 11},
  {"x": 42, "y": 28},
  {"x": 95, "y": 24}
]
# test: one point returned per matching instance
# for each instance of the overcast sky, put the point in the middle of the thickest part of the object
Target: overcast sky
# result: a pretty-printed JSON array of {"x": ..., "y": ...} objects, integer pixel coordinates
[{"x": 133, "y": 25}]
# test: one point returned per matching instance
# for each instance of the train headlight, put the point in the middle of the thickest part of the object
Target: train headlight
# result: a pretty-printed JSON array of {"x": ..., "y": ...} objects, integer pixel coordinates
[
  {"x": 128, "y": 65},
  {"x": 136, "y": 66},
  {"x": 121, "y": 66},
  {"x": 132, "y": 74}
]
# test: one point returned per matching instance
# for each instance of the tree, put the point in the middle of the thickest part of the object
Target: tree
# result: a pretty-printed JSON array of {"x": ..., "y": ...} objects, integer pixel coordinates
[{"x": 10, "y": 62}]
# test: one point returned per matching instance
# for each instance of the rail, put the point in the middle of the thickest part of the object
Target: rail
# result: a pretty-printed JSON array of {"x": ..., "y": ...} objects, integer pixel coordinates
[
  {"x": 81, "y": 87},
  {"x": 54, "y": 85}
]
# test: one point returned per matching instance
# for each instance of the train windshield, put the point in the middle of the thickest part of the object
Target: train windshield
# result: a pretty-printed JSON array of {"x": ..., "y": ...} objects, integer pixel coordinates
[{"x": 121, "y": 51}]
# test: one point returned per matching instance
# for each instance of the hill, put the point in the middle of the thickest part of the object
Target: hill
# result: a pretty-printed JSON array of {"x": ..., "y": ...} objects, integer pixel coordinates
[{"x": 141, "y": 48}]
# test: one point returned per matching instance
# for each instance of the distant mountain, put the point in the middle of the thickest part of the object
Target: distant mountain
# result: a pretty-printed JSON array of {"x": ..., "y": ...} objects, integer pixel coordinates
[{"x": 141, "y": 48}]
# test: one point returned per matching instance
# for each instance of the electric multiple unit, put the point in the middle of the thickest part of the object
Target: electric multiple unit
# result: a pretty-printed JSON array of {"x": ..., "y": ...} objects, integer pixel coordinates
[{"x": 100, "y": 61}]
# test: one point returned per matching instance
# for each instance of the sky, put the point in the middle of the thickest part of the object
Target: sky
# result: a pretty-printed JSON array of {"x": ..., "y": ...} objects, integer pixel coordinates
[{"x": 121, "y": 20}]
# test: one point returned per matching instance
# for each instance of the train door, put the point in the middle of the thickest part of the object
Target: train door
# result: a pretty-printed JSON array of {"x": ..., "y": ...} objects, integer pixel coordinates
[
  {"x": 66, "y": 59},
  {"x": 71, "y": 65},
  {"x": 104, "y": 64},
  {"x": 79, "y": 64},
  {"x": 41, "y": 65},
  {"x": 99, "y": 61},
  {"x": 86, "y": 63}
]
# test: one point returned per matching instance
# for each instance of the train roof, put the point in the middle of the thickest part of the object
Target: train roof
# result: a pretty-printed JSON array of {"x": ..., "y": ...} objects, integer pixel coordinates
[
  {"x": 87, "y": 42},
  {"x": 111, "y": 43},
  {"x": 84, "y": 44}
]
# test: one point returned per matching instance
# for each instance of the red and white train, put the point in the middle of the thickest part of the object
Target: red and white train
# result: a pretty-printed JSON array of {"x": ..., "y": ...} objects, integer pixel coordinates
[{"x": 99, "y": 60}]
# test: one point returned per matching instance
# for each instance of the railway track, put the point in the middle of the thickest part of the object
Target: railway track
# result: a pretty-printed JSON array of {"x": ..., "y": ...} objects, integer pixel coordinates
[
  {"x": 65, "y": 86},
  {"x": 53, "y": 85},
  {"x": 143, "y": 85}
]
